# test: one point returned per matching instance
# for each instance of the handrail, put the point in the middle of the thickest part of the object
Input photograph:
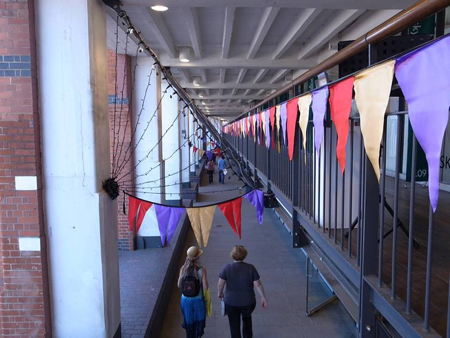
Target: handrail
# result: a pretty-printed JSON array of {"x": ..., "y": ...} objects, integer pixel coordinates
[{"x": 397, "y": 23}]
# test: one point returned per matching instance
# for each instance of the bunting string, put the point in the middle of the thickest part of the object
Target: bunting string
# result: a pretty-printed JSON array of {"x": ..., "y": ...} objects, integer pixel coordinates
[{"x": 424, "y": 77}]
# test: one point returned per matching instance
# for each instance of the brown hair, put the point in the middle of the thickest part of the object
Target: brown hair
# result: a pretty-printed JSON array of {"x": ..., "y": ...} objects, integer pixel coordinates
[{"x": 238, "y": 253}]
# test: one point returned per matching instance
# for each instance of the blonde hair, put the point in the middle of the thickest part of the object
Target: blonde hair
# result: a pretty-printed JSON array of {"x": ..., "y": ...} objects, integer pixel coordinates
[
  {"x": 190, "y": 266},
  {"x": 238, "y": 253}
]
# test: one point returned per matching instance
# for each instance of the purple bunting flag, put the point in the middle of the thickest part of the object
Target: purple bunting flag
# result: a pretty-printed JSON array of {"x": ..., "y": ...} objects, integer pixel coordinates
[
  {"x": 267, "y": 127},
  {"x": 168, "y": 219},
  {"x": 424, "y": 77},
  {"x": 283, "y": 115},
  {"x": 256, "y": 198},
  {"x": 319, "y": 107},
  {"x": 209, "y": 155}
]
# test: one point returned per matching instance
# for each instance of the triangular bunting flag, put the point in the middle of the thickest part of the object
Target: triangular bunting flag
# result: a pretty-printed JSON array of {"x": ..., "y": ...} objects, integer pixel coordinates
[
  {"x": 340, "y": 107},
  {"x": 232, "y": 212},
  {"x": 267, "y": 127},
  {"x": 424, "y": 77},
  {"x": 133, "y": 207},
  {"x": 372, "y": 90},
  {"x": 201, "y": 222},
  {"x": 319, "y": 108},
  {"x": 201, "y": 152},
  {"x": 136, "y": 211},
  {"x": 256, "y": 198},
  {"x": 272, "y": 125},
  {"x": 292, "y": 113},
  {"x": 283, "y": 116},
  {"x": 303, "y": 104},
  {"x": 168, "y": 219}
]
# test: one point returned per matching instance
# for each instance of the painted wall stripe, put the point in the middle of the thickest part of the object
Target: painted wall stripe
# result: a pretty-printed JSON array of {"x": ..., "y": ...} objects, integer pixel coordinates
[{"x": 26, "y": 182}]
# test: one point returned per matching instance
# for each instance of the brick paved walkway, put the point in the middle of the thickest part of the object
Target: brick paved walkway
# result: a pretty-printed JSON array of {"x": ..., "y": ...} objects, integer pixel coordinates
[{"x": 282, "y": 271}]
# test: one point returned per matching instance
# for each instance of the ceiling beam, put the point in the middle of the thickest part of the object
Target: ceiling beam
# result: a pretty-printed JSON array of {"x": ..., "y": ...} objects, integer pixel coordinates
[
  {"x": 227, "y": 31},
  {"x": 162, "y": 33},
  {"x": 230, "y": 97},
  {"x": 239, "y": 62},
  {"x": 191, "y": 17},
  {"x": 301, "y": 24},
  {"x": 222, "y": 75},
  {"x": 263, "y": 28},
  {"x": 186, "y": 76},
  {"x": 241, "y": 75},
  {"x": 337, "y": 24},
  {"x": 203, "y": 75},
  {"x": 279, "y": 75},
  {"x": 260, "y": 75},
  {"x": 230, "y": 85},
  {"x": 324, "y": 4}
]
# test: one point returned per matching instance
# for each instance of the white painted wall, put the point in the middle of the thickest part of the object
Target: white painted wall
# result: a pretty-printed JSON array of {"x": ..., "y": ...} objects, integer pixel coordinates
[
  {"x": 170, "y": 143},
  {"x": 80, "y": 217}
]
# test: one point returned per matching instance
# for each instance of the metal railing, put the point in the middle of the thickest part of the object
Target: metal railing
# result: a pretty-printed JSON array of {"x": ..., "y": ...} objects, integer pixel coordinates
[{"x": 378, "y": 235}]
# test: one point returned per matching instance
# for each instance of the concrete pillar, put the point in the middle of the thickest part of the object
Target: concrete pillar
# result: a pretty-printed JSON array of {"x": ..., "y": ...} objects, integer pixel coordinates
[
  {"x": 192, "y": 158},
  {"x": 81, "y": 219},
  {"x": 170, "y": 144},
  {"x": 147, "y": 120},
  {"x": 184, "y": 137},
  {"x": 147, "y": 123}
]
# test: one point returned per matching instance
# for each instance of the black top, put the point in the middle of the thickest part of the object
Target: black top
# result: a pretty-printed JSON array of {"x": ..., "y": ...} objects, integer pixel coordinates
[{"x": 239, "y": 277}]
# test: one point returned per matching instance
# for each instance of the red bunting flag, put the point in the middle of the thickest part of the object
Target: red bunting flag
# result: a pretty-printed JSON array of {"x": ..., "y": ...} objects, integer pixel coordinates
[
  {"x": 272, "y": 125},
  {"x": 194, "y": 149},
  {"x": 232, "y": 212},
  {"x": 136, "y": 212},
  {"x": 292, "y": 114},
  {"x": 340, "y": 106}
]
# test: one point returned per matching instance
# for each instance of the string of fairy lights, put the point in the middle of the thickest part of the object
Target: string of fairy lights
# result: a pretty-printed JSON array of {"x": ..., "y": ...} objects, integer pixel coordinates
[{"x": 123, "y": 149}]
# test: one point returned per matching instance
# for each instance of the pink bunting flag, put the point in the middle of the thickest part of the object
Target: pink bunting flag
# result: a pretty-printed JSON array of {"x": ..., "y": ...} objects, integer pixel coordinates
[
  {"x": 340, "y": 106},
  {"x": 424, "y": 77},
  {"x": 292, "y": 114}
]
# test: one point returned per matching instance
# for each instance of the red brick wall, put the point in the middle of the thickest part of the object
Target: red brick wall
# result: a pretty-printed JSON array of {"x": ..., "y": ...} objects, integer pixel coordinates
[
  {"x": 119, "y": 90},
  {"x": 24, "y": 306}
]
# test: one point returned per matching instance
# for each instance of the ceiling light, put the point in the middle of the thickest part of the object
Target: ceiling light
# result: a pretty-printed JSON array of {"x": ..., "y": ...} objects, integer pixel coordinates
[
  {"x": 200, "y": 96},
  {"x": 196, "y": 82},
  {"x": 159, "y": 8},
  {"x": 185, "y": 54}
]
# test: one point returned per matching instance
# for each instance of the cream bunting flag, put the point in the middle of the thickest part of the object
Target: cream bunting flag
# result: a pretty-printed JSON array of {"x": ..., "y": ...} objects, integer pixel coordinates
[
  {"x": 201, "y": 222},
  {"x": 277, "y": 118},
  {"x": 200, "y": 153},
  {"x": 372, "y": 90},
  {"x": 303, "y": 106}
]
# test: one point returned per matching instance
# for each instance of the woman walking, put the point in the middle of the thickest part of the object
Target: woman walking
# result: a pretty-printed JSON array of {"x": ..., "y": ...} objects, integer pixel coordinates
[
  {"x": 240, "y": 279},
  {"x": 192, "y": 280},
  {"x": 210, "y": 166}
]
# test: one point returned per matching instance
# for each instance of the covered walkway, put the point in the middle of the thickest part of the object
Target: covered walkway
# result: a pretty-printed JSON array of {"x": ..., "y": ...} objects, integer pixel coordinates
[{"x": 282, "y": 269}]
